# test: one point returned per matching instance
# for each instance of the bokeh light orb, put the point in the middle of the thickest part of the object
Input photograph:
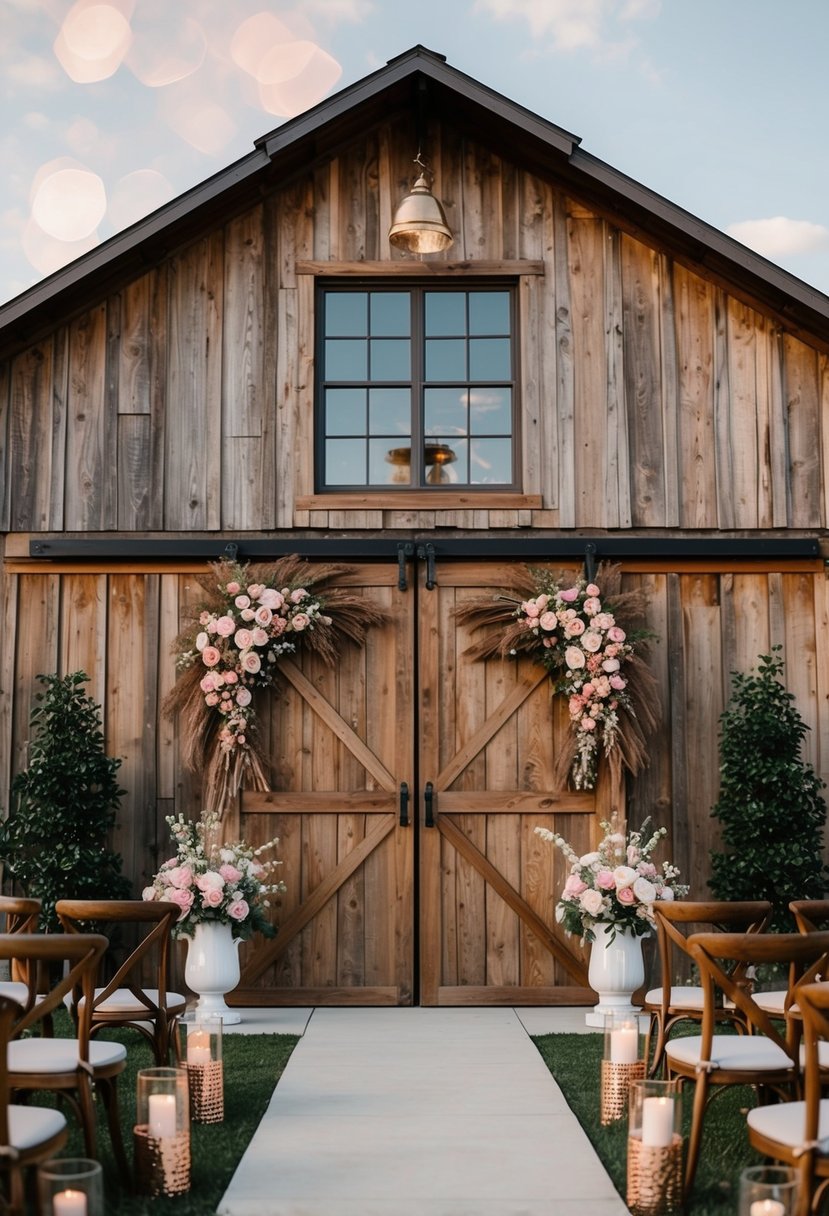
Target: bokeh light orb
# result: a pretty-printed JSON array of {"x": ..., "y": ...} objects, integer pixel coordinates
[
  {"x": 92, "y": 41},
  {"x": 166, "y": 49},
  {"x": 69, "y": 204},
  {"x": 136, "y": 195},
  {"x": 315, "y": 79},
  {"x": 47, "y": 254},
  {"x": 255, "y": 38}
]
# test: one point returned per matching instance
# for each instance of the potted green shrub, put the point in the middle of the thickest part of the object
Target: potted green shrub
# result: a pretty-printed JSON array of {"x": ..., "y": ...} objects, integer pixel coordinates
[
  {"x": 770, "y": 805},
  {"x": 54, "y": 842}
]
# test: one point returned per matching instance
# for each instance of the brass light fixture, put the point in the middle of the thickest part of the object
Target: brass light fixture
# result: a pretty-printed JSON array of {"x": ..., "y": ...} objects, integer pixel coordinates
[{"x": 419, "y": 225}]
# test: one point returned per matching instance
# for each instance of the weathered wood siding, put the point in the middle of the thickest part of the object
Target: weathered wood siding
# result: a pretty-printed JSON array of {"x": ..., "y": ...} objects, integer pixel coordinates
[{"x": 649, "y": 398}]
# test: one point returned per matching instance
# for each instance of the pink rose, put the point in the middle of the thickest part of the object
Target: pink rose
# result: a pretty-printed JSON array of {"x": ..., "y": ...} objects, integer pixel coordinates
[
  {"x": 299, "y": 595},
  {"x": 591, "y": 641},
  {"x": 242, "y": 601},
  {"x": 233, "y": 588},
  {"x": 604, "y": 621},
  {"x": 229, "y": 873},
  {"x": 605, "y": 880},
  {"x": 300, "y": 621},
  {"x": 211, "y": 699},
  {"x": 532, "y": 610},
  {"x": 212, "y": 897},
  {"x": 251, "y": 662},
  {"x": 243, "y": 696},
  {"x": 210, "y": 656},
  {"x": 148, "y": 893},
  {"x": 574, "y": 628},
  {"x": 611, "y": 665},
  {"x": 616, "y": 634},
  {"x": 259, "y": 637},
  {"x": 569, "y": 595},
  {"x": 271, "y": 599},
  {"x": 618, "y": 682},
  {"x": 238, "y": 910},
  {"x": 588, "y": 723},
  {"x": 548, "y": 621},
  {"x": 206, "y": 684},
  {"x": 184, "y": 899},
  {"x": 574, "y": 885},
  {"x": 263, "y": 615},
  {"x": 592, "y": 606},
  {"x": 211, "y": 880},
  {"x": 255, "y": 590},
  {"x": 181, "y": 876},
  {"x": 247, "y": 615},
  {"x": 592, "y": 589},
  {"x": 626, "y": 896},
  {"x": 243, "y": 639},
  {"x": 575, "y": 705},
  {"x": 225, "y": 626}
]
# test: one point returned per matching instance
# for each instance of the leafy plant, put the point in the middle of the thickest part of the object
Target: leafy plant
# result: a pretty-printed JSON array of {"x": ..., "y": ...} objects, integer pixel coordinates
[
  {"x": 64, "y": 804},
  {"x": 770, "y": 804}
]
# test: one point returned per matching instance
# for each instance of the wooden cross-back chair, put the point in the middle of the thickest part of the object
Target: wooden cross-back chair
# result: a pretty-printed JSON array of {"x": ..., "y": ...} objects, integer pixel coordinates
[
  {"x": 28, "y": 1134},
  {"x": 124, "y": 1000},
  {"x": 811, "y": 916},
  {"x": 20, "y": 915},
  {"x": 672, "y": 1003},
  {"x": 70, "y": 1067},
  {"x": 797, "y": 1133},
  {"x": 766, "y": 1058}
]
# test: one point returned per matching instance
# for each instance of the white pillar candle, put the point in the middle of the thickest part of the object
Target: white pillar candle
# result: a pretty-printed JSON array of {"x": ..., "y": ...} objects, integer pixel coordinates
[
  {"x": 198, "y": 1047},
  {"x": 657, "y": 1122},
  {"x": 162, "y": 1112},
  {"x": 624, "y": 1045},
  {"x": 767, "y": 1207},
  {"x": 69, "y": 1203}
]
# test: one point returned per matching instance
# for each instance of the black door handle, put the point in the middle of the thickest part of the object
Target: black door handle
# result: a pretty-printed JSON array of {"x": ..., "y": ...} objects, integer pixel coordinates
[
  {"x": 429, "y": 800},
  {"x": 404, "y": 804}
]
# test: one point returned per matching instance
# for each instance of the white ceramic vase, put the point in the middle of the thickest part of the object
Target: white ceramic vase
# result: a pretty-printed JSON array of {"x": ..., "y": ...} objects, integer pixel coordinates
[
  {"x": 212, "y": 969},
  {"x": 615, "y": 971}
]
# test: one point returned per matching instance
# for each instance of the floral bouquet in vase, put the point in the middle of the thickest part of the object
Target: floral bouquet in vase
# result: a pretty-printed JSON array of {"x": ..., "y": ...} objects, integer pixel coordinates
[
  {"x": 228, "y": 884},
  {"x": 616, "y": 885}
]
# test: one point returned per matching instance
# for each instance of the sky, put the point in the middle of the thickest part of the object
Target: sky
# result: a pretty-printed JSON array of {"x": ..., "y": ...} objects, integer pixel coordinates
[{"x": 110, "y": 108}]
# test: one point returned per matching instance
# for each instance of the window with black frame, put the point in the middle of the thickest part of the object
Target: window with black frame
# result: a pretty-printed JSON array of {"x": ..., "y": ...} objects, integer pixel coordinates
[{"x": 416, "y": 387}]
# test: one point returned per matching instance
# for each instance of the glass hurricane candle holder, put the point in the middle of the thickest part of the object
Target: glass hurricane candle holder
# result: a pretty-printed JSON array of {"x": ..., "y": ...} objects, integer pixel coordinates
[
  {"x": 203, "y": 1061},
  {"x": 621, "y": 1065},
  {"x": 72, "y": 1186},
  {"x": 162, "y": 1131},
  {"x": 769, "y": 1190},
  {"x": 654, "y": 1167}
]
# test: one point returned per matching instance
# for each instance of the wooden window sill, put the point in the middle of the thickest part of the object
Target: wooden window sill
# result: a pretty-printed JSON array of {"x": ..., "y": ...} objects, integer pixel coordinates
[{"x": 419, "y": 500}]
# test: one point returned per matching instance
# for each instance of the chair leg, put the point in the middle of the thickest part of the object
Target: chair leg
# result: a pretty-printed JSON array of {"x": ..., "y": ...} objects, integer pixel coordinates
[
  {"x": 86, "y": 1111},
  {"x": 659, "y": 1049},
  {"x": 695, "y": 1137},
  {"x": 109, "y": 1094}
]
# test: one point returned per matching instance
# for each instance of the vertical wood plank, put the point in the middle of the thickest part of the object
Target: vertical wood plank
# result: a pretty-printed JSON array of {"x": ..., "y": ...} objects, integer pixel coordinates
[
  {"x": 617, "y": 488},
  {"x": 90, "y": 437},
  {"x": 643, "y": 380},
  {"x": 30, "y": 439},
  {"x": 694, "y": 311},
  {"x": 747, "y": 467},
  {"x": 587, "y": 237},
  {"x": 802, "y": 401}
]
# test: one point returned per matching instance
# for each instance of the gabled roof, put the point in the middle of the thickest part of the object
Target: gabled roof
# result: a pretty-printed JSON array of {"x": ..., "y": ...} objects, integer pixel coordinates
[{"x": 506, "y": 127}]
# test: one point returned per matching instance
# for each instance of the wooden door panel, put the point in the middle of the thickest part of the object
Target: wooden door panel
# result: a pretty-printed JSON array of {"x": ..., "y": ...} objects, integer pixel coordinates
[
  {"x": 488, "y": 740},
  {"x": 341, "y": 743}
]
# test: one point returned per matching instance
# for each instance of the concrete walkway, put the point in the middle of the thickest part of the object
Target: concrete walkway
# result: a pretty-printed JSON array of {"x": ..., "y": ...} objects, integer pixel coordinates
[{"x": 418, "y": 1112}]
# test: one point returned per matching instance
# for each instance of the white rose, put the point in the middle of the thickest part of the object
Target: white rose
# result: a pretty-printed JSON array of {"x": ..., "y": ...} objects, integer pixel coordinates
[
  {"x": 591, "y": 902},
  {"x": 624, "y": 876},
  {"x": 666, "y": 894},
  {"x": 148, "y": 893},
  {"x": 644, "y": 890},
  {"x": 588, "y": 859},
  {"x": 574, "y": 657}
]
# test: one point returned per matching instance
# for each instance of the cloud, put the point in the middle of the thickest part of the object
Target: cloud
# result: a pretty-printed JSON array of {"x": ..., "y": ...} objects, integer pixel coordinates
[
  {"x": 32, "y": 72},
  {"x": 779, "y": 236},
  {"x": 573, "y": 24},
  {"x": 340, "y": 10}
]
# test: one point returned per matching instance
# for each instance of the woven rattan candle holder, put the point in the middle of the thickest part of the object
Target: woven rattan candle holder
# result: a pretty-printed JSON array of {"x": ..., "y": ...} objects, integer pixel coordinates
[
  {"x": 655, "y": 1149},
  {"x": 621, "y": 1065}
]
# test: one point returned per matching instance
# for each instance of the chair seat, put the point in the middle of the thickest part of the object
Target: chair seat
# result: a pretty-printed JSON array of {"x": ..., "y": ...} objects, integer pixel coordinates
[
  {"x": 15, "y": 990},
  {"x": 30, "y": 1126},
  {"x": 774, "y": 1002},
  {"x": 730, "y": 1052},
  {"x": 60, "y": 1055},
  {"x": 683, "y": 997},
  {"x": 122, "y": 1003},
  {"x": 784, "y": 1122}
]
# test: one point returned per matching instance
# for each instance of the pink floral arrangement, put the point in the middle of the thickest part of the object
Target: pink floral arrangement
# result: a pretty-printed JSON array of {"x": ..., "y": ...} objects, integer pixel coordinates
[
  {"x": 208, "y": 881},
  {"x": 238, "y": 644},
  {"x": 585, "y": 649},
  {"x": 617, "y": 884}
]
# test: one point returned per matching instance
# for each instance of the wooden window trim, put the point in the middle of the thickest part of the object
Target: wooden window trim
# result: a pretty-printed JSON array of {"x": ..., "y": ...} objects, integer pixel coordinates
[
  {"x": 418, "y": 270},
  {"x": 406, "y": 500}
]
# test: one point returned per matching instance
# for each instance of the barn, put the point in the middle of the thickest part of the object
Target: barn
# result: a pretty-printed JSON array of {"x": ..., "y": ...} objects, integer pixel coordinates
[{"x": 588, "y": 373}]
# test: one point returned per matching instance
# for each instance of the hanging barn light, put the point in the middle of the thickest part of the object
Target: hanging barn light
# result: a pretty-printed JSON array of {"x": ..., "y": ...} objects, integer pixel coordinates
[{"x": 419, "y": 224}]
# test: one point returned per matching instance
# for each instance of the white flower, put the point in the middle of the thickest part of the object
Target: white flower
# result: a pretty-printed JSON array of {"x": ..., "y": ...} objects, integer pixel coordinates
[
  {"x": 644, "y": 890},
  {"x": 574, "y": 657},
  {"x": 624, "y": 876},
  {"x": 666, "y": 894},
  {"x": 588, "y": 859},
  {"x": 592, "y": 902}
]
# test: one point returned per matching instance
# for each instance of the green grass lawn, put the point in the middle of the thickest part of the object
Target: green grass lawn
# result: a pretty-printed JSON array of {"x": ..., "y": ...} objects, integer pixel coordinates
[
  {"x": 575, "y": 1062},
  {"x": 252, "y": 1066}
]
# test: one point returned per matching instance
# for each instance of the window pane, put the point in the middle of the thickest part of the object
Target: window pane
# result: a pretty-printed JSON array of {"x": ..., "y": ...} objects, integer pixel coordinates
[
  {"x": 345, "y": 411},
  {"x": 391, "y": 314},
  {"x": 445, "y": 313},
  {"x": 345, "y": 462},
  {"x": 489, "y": 312},
  {"x": 444, "y": 411},
  {"x": 346, "y": 360},
  {"x": 346, "y": 314},
  {"x": 391, "y": 359},
  {"x": 389, "y": 465},
  {"x": 490, "y": 411},
  {"x": 444, "y": 461},
  {"x": 446, "y": 359},
  {"x": 389, "y": 411},
  {"x": 491, "y": 461},
  {"x": 489, "y": 359}
]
